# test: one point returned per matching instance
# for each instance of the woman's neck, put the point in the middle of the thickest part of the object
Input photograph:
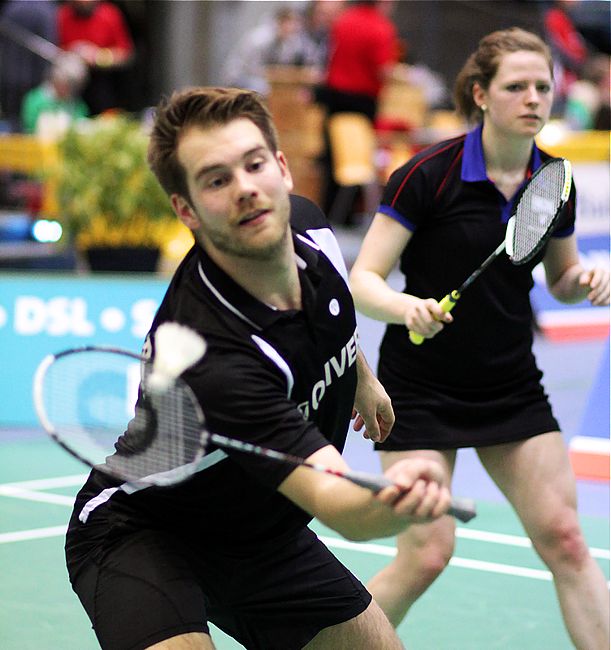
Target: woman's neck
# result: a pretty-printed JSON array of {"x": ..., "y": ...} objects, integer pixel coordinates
[{"x": 507, "y": 159}]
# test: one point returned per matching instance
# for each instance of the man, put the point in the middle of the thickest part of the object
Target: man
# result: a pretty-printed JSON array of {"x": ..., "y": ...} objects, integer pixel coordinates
[{"x": 231, "y": 545}]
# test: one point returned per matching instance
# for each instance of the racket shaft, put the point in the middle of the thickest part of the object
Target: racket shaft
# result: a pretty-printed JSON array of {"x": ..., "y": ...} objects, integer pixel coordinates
[
  {"x": 463, "y": 509},
  {"x": 447, "y": 303}
]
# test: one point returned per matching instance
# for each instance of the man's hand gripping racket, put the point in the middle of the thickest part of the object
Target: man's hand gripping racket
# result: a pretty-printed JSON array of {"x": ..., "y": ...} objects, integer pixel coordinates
[
  {"x": 84, "y": 396},
  {"x": 534, "y": 216}
]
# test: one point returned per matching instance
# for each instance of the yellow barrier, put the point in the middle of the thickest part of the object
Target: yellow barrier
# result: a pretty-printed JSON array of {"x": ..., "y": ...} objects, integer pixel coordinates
[
  {"x": 24, "y": 153},
  {"x": 578, "y": 146}
]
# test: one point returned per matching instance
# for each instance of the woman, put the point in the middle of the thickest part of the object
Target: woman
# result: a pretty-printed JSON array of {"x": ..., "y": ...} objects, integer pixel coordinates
[{"x": 475, "y": 383}]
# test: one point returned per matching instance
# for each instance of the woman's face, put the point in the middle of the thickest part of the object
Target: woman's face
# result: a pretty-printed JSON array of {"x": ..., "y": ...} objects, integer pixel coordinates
[{"x": 519, "y": 99}]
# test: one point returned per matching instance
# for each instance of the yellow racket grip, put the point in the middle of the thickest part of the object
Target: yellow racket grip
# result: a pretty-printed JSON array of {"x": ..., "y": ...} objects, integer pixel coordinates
[{"x": 447, "y": 304}]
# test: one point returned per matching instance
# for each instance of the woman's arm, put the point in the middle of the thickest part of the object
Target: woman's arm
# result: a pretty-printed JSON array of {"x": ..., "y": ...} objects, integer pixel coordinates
[
  {"x": 567, "y": 280},
  {"x": 379, "y": 254}
]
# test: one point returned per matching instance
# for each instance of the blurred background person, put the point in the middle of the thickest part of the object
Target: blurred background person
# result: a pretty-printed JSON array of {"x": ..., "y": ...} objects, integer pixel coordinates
[
  {"x": 280, "y": 41},
  {"x": 98, "y": 32},
  {"x": 22, "y": 69},
  {"x": 319, "y": 17},
  {"x": 587, "y": 104},
  {"x": 569, "y": 48},
  {"x": 49, "y": 108},
  {"x": 363, "y": 52}
]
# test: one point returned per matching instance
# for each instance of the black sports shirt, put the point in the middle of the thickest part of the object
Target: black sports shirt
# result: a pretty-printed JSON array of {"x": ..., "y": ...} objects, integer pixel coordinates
[
  {"x": 457, "y": 217},
  {"x": 280, "y": 379}
]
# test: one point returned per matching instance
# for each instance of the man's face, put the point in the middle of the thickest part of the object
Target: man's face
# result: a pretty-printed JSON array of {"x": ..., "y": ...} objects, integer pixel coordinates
[{"x": 238, "y": 204}]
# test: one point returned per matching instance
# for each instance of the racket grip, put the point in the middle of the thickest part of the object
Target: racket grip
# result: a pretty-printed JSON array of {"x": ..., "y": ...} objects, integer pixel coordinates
[
  {"x": 460, "y": 508},
  {"x": 447, "y": 304}
]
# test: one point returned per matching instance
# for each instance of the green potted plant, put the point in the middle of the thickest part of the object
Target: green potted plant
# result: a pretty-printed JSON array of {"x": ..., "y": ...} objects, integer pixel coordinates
[{"x": 106, "y": 197}]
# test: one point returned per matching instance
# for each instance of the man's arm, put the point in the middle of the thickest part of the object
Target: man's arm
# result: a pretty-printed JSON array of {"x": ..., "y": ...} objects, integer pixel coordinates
[
  {"x": 359, "y": 514},
  {"x": 372, "y": 406}
]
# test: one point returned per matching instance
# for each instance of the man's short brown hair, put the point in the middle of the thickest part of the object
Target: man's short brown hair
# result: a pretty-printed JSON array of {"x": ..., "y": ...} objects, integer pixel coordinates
[{"x": 202, "y": 107}]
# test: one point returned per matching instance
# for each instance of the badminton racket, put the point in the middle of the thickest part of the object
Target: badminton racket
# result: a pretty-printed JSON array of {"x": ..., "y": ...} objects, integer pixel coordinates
[
  {"x": 84, "y": 397},
  {"x": 531, "y": 224}
]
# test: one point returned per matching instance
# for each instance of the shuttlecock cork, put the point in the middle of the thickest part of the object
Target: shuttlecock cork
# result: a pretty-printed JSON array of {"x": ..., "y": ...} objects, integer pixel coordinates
[{"x": 177, "y": 347}]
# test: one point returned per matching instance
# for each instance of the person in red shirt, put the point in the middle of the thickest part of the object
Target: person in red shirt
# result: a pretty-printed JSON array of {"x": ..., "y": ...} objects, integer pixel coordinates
[
  {"x": 98, "y": 32},
  {"x": 363, "y": 51}
]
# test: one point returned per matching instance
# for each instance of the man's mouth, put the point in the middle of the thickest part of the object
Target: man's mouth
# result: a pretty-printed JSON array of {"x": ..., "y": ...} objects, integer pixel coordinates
[{"x": 252, "y": 216}]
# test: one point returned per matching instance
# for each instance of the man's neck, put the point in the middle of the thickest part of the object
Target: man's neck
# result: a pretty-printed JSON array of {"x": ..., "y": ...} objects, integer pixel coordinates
[{"x": 274, "y": 281}]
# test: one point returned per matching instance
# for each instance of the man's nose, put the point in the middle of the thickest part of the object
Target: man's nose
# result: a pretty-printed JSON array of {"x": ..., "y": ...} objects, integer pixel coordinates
[{"x": 245, "y": 186}]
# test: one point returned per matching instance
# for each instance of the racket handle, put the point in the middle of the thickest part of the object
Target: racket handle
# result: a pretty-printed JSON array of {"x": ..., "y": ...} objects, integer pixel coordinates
[
  {"x": 447, "y": 304},
  {"x": 460, "y": 508}
]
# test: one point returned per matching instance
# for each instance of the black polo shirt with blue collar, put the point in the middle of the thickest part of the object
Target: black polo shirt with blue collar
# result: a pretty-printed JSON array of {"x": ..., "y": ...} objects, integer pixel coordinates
[
  {"x": 280, "y": 379},
  {"x": 457, "y": 217}
]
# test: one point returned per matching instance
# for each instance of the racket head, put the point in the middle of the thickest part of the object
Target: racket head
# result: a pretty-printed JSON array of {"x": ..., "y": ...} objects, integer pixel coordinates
[
  {"x": 95, "y": 403},
  {"x": 537, "y": 209}
]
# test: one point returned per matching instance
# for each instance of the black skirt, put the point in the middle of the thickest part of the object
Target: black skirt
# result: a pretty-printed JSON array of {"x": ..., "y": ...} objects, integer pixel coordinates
[{"x": 433, "y": 416}]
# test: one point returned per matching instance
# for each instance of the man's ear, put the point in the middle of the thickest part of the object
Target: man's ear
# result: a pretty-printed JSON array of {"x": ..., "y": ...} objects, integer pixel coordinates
[
  {"x": 286, "y": 172},
  {"x": 185, "y": 212}
]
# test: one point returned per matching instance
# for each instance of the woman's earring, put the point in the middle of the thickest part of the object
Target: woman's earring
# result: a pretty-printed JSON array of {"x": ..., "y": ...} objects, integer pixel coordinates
[{"x": 484, "y": 108}]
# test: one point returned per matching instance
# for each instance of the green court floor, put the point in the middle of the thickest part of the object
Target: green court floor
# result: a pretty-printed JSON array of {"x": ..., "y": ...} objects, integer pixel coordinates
[{"x": 495, "y": 594}]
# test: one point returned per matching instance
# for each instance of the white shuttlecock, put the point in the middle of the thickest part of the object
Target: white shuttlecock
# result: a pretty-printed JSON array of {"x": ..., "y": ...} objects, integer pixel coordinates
[{"x": 177, "y": 347}]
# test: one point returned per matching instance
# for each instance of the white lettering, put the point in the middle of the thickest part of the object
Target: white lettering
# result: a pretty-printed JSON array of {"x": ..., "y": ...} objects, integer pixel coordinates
[
  {"x": 318, "y": 392},
  {"x": 339, "y": 367},
  {"x": 80, "y": 325},
  {"x": 347, "y": 354},
  {"x": 29, "y": 315},
  {"x": 57, "y": 317},
  {"x": 143, "y": 312}
]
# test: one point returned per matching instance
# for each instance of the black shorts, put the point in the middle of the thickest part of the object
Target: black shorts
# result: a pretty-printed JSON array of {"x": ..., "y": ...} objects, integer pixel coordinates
[{"x": 149, "y": 586}]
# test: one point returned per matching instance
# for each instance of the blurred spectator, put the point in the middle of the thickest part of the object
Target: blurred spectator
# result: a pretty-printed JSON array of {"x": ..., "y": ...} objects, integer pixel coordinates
[
  {"x": 282, "y": 41},
  {"x": 363, "y": 53},
  {"x": 22, "y": 68},
  {"x": 588, "y": 100},
  {"x": 98, "y": 32},
  {"x": 568, "y": 47},
  {"x": 319, "y": 18},
  {"x": 48, "y": 109}
]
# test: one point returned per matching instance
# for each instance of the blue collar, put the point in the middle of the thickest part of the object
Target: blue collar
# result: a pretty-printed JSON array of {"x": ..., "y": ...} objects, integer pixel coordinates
[{"x": 473, "y": 163}]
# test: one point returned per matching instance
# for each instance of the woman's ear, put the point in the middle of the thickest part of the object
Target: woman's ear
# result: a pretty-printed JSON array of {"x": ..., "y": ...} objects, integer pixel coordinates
[{"x": 479, "y": 95}]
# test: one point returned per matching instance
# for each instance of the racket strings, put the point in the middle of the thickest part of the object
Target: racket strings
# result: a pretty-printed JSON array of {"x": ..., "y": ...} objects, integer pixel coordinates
[
  {"x": 172, "y": 429},
  {"x": 92, "y": 405},
  {"x": 537, "y": 210}
]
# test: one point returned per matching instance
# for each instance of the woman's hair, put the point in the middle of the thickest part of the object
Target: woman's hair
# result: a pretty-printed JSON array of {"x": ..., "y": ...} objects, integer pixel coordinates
[
  {"x": 482, "y": 65},
  {"x": 200, "y": 107}
]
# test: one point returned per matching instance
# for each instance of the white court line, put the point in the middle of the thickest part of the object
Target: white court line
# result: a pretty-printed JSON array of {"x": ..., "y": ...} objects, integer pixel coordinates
[
  {"x": 36, "y": 533},
  {"x": 476, "y": 565},
  {"x": 27, "y": 490}
]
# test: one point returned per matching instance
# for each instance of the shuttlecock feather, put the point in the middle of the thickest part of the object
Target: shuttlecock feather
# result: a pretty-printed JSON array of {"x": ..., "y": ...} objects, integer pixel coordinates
[{"x": 177, "y": 347}]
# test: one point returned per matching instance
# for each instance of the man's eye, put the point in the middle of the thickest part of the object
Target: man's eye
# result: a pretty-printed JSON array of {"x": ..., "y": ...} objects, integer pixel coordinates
[
  {"x": 255, "y": 165},
  {"x": 544, "y": 88},
  {"x": 216, "y": 182}
]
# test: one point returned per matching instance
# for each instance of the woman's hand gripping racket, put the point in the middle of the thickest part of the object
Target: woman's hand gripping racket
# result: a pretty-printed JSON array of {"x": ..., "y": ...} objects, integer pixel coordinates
[
  {"x": 534, "y": 216},
  {"x": 84, "y": 397}
]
